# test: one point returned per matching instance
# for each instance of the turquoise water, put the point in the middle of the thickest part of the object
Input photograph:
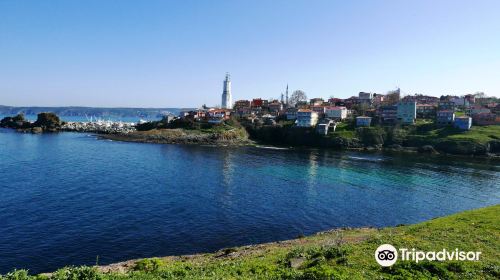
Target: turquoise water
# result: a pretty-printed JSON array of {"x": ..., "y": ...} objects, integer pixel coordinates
[{"x": 67, "y": 198}]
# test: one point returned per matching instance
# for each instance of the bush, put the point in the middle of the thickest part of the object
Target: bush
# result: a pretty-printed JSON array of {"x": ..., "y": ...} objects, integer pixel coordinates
[
  {"x": 149, "y": 265},
  {"x": 77, "y": 273}
]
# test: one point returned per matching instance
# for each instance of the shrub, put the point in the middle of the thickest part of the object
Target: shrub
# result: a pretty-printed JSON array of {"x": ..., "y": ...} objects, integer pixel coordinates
[{"x": 149, "y": 265}]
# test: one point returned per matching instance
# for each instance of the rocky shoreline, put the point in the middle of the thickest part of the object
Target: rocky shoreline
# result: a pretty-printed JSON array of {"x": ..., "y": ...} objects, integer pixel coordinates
[{"x": 234, "y": 137}]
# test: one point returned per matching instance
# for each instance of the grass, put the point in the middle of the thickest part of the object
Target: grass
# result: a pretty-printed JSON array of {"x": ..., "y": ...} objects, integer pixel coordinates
[
  {"x": 341, "y": 254},
  {"x": 344, "y": 130},
  {"x": 428, "y": 132}
]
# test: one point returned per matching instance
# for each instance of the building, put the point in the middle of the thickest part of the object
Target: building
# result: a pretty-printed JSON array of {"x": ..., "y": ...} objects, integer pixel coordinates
[
  {"x": 445, "y": 117},
  {"x": 241, "y": 104},
  {"x": 316, "y": 101},
  {"x": 257, "y": 103},
  {"x": 446, "y": 105},
  {"x": 227, "y": 99},
  {"x": 336, "y": 113},
  {"x": 363, "y": 121},
  {"x": 377, "y": 99},
  {"x": 291, "y": 113},
  {"x": 426, "y": 111},
  {"x": 320, "y": 110},
  {"x": 365, "y": 98},
  {"x": 388, "y": 114},
  {"x": 275, "y": 107},
  {"x": 392, "y": 97},
  {"x": 306, "y": 118},
  {"x": 324, "y": 126},
  {"x": 460, "y": 101},
  {"x": 477, "y": 109},
  {"x": 421, "y": 99},
  {"x": 244, "y": 112},
  {"x": 407, "y": 112},
  {"x": 463, "y": 123},
  {"x": 485, "y": 119}
]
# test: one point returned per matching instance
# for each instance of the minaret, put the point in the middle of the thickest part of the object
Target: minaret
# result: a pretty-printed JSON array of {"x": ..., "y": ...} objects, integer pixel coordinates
[
  {"x": 286, "y": 95},
  {"x": 282, "y": 98},
  {"x": 227, "y": 101}
]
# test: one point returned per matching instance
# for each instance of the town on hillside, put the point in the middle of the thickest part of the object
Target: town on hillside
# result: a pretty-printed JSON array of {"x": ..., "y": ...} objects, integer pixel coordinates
[{"x": 365, "y": 109}]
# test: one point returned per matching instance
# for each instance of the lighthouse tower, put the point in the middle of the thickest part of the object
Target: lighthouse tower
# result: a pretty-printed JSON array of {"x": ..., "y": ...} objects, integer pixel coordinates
[{"x": 227, "y": 100}]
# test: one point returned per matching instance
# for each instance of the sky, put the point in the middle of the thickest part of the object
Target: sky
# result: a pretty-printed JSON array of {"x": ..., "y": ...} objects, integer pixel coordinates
[{"x": 119, "y": 53}]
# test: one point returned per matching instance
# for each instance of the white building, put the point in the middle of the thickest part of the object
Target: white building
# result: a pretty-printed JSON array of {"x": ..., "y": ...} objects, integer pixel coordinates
[
  {"x": 338, "y": 113},
  {"x": 407, "y": 112},
  {"x": 306, "y": 118},
  {"x": 227, "y": 100}
]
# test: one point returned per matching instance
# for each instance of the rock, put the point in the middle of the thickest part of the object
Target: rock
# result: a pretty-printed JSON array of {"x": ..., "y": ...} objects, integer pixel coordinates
[
  {"x": 427, "y": 149},
  {"x": 494, "y": 146},
  {"x": 36, "y": 130},
  {"x": 17, "y": 122},
  {"x": 463, "y": 147},
  {"x": 396, "y": 147},
  {"x": 296, "y": 262},
  {"x": 48, "y": 121}
]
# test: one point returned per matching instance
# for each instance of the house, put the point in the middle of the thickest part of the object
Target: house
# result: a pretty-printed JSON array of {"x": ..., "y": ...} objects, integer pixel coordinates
[
  {"x": 316, "y": 102},
  {"x": 291, "y": 113},
  {"x": 460, "y": 101},
  {"x": 388, "y": 114},
  {"x": 336, "y": 113},
  {"x": 485, "y": 119},
  {"x": 320, "y": 110},
  {"x": 241, "y": 104},
  {"x": 446, "y": 105},
  {"x": 363, "y": 121},
  {"x": 377, "y": 99},
  {"x": 463, "y": 123},
  {"x": 306, "y": 118},
  {"x": 257, "y": 103},
  {"x": 275, "y": 107},
  {"x": 445, "y": 117},
  {"x": 477, "y": 109},
  {"x": 223, "y": 114},
  {"x": 351, "y": 101},
  {"x": 324, "y": 125},
  {"x": 407, "y": 112},
  {"x": 426, "y": 111},
  {"x": 244, "y": 112},
  {"x": 365, "y": 97},
  {"x": 421, "y": 99}
]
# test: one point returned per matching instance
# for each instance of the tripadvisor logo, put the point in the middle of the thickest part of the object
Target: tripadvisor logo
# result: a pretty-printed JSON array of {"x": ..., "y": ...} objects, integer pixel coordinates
[{"x": 387, "y": 255}]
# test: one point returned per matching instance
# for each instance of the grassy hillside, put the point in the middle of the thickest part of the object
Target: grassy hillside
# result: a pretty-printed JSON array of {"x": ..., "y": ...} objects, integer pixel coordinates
[{"x": 342, "y": 254}]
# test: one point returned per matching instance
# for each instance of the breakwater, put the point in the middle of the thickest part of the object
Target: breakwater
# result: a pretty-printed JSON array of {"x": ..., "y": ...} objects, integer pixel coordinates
[{"x": 101, "y": 127}]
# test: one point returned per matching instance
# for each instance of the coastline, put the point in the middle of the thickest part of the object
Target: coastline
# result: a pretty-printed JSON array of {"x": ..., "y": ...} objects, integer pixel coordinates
[
  {"x": 179, "y": 136},
  {"x": 344, "y": 253}
]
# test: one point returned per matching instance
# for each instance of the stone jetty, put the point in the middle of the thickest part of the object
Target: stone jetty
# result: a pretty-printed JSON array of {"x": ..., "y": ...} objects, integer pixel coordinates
[{"x": 101, "y": 127}]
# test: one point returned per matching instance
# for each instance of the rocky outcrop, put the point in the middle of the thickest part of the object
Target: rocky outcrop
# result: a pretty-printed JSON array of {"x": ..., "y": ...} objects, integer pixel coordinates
[
  {"x": 463, "y": 147},
  {"x": 17, "y": 122},
  {"x": 46, "y": 122},
  {"x": 234, "y": 137}
]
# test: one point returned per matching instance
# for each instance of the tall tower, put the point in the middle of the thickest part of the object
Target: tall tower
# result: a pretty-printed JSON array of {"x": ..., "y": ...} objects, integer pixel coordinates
[
  {"x": 227, "y": 100},
  {"x": 286, "y": 95}
]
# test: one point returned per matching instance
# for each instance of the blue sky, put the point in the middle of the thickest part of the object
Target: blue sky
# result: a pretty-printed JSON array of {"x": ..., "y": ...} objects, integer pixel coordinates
[{"x": 176, "y": 53}]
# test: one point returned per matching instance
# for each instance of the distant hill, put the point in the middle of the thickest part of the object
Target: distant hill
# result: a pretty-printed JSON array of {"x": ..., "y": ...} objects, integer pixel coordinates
[{"x": 147, "y": 113}]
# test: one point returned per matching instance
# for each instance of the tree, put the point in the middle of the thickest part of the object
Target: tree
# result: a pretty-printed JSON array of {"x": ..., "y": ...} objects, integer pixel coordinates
[{"x": 297, "y": 96}]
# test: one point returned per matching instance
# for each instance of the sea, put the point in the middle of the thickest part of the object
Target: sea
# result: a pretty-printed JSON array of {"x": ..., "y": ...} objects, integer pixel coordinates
[{"x": 74, "y": 199}]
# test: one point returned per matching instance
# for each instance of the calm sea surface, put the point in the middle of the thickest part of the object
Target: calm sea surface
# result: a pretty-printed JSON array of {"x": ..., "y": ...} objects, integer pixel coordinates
[{"x": 67, "y": 198}]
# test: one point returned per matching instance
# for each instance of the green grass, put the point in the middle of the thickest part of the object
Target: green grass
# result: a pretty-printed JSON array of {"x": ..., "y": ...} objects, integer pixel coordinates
[
  {"x": 427, "y": 132},
  {"x": 344, "y": 130},
  {"x": 343, "y": 254}
]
